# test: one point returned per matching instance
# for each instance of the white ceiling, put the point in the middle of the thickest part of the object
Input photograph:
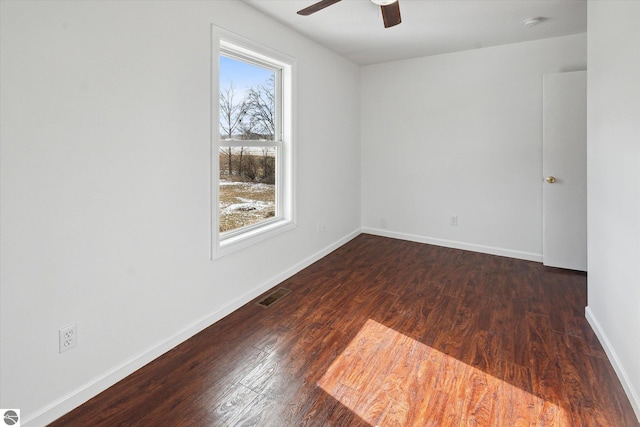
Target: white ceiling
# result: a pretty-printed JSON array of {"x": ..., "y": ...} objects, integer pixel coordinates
[{"x": 354, "y": 29}]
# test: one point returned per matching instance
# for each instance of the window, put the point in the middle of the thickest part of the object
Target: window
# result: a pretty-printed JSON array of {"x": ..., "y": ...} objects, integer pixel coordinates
[{"x": 252, "y": 164}]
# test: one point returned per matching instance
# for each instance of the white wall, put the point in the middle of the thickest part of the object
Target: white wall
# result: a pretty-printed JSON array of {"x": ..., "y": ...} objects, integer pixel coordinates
[
  {"x": 105, "y": 171},
  {"x": 613, "y": 176},
  {"x": 461, "y": 134}
]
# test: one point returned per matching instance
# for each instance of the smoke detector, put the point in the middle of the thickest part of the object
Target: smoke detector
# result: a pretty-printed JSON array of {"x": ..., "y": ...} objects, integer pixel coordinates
[{"x": 532, "y": 22}]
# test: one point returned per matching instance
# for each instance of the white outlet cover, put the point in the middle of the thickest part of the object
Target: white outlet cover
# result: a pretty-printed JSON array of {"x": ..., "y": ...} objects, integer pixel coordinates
[{"x": 68, "y": 337}]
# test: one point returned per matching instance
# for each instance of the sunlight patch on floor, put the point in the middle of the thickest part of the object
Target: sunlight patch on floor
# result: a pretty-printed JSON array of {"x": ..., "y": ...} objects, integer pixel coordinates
[{"x": 388, "y": 378}]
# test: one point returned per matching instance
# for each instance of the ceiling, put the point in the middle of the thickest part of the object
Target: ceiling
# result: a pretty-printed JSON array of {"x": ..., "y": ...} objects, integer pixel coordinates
[{"x": 354, "y": 29}]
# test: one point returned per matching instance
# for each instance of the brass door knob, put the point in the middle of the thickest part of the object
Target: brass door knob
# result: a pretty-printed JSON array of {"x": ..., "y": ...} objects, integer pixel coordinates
[{"x": 550, "y": 179}]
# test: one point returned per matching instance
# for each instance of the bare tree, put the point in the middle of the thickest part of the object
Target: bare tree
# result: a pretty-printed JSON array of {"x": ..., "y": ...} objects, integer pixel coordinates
[
  {"x": 261, "y": 108},
  {"x": 251, "y": 169},
  {"x": 268, "y": 165},
  {"x": 232, "y": 113}
]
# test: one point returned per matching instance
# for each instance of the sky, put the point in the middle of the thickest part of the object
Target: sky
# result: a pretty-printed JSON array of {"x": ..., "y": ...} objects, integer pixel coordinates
[{"x": 243, "y": 75}]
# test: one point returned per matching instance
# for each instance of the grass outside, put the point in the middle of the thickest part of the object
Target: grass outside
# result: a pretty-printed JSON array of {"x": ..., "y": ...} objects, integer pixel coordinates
[{"x": 245, "y": 203}]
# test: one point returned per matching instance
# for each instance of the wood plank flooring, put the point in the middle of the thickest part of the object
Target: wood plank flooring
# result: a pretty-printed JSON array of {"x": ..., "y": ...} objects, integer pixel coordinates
[{"x": 385, "y": 332}]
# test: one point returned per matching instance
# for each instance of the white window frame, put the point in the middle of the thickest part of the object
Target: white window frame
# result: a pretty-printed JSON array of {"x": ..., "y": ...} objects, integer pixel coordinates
[{"x": 237, "y": 47}]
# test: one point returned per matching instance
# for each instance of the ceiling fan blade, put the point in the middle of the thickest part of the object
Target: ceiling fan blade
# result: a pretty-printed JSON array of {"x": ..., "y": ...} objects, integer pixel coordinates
[
  {"x": 391, "y": 14},
  {"x": 316, "y": 7}
]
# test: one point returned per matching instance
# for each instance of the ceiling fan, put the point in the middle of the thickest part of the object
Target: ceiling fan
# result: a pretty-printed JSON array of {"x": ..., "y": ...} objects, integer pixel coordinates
[{"x": 390, "y": 10}]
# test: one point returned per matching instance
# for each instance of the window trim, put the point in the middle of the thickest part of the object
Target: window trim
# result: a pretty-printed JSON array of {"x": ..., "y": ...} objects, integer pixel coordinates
[{"x": 237, "y": 47}]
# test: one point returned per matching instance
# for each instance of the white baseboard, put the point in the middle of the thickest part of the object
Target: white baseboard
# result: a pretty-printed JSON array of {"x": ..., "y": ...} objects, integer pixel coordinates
[
  {"x": 64, "y": 404},
  {"x": 632, "y": 393},
  {"x": 528, "y": 256}
]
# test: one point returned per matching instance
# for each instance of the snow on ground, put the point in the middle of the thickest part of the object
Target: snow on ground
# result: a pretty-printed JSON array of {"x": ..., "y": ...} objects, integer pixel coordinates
[
  {"x": 246, "y": 206},
  {"x": 254, "y": 186},
  {"x": 245, "y": 203}
]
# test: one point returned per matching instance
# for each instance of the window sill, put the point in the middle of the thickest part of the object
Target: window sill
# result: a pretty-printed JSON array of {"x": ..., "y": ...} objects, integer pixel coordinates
[{"x": 231, "y": 244}]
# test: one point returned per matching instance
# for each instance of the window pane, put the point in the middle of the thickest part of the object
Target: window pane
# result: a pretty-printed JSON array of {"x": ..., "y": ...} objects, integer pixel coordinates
[
  {"x": 254, "y": 145},
  {"x": 247, "y": 101},
  {"x": 247, "y": 186}
]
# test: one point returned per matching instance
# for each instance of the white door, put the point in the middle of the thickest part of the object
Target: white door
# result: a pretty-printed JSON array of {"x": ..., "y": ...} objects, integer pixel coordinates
[{"x": 564, "y": 169}]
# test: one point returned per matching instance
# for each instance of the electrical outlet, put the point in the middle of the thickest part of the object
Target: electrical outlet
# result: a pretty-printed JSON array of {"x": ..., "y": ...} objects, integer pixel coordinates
[
  {"x": 321, "y": 227},
  {"x": 453, "y": 221},
  {"x": 68, "y": 337},
  {"x": 383, "y": 223}
]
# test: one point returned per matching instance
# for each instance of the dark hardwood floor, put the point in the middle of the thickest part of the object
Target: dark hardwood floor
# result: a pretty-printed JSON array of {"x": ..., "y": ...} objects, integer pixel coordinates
[{"x": 385, "y": 332}]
